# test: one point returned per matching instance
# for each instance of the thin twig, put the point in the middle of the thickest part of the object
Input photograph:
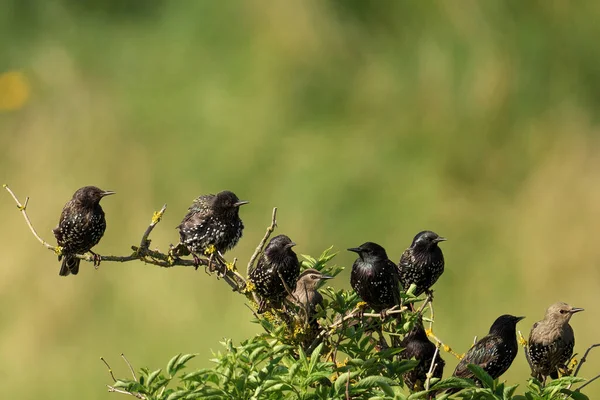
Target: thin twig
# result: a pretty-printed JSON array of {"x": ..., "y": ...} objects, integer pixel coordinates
[
  {"x": 130, "y": 367},
  {"x": 587, "y": 383},
  {"x": 432, "y": 367},
  {"x": 270, "y": 230},
  {"x": 115, "y": 390},
  {"x": 23, "y": 209},
  {"x": 584, "y": 358},
  {"x": 110, "y": 371},
  {"x": 348, "y": 386}
]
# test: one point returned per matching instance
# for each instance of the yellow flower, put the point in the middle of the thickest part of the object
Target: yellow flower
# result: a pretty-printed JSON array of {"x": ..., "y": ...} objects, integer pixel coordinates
[
  {"x": 250, "y": 286},
  {"x": 210, "y": 250}
]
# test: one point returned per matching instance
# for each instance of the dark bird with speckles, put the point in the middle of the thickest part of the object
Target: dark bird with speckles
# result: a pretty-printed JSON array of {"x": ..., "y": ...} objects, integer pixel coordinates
[
  {"x": 422, "y": 263},
  {"x": 551, "y": 342},
  {"x": 212, "y": 220},
  {"x": 375, "y": 278},
  {"x": 416, "y": 345},
  {"x": 81, "y": 226},
  {"x": 494, "y": 352},
  {"x": 306, "y": 294},
  {"x": 276, "y": 265}
]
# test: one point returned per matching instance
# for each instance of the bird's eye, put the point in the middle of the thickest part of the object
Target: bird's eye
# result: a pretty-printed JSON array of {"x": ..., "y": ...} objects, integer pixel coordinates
[
  {"x": 563, "y": 311},
  {"x": 314, "y": 276}
]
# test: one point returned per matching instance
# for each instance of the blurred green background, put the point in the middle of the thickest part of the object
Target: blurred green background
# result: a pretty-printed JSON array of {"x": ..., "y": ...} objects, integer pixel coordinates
[{"x": 360, "y": 120}]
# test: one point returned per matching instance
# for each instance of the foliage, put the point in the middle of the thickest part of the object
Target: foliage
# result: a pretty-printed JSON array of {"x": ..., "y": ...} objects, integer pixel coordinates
[{"x": 341, "y": 360}]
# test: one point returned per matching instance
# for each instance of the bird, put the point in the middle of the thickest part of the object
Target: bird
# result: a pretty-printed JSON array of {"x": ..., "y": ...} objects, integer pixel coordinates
[
  {"x": 551, "y": 342},
  {"x": 212, "y": 224},
  {"x": 374, "y": 277},
  {"x": 422, "y": 263},
  {"x": 494, "y": 352},
  {"x": 81, "y": 226},
  {"x": 305, "y": 295},
  {"x": 276, "y": 265},
  {"x": 416, "y": 345}
]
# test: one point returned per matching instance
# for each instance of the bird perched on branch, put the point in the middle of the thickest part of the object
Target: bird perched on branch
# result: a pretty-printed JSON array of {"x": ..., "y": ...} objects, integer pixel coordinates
[
  {"x": 375, "y": 278},
  {"x": 416, "y": 345},
  {"x": 81, "y": 226},
  {"x": 277, "y": 268},
  {"x": 306, "y": 295},
  {"x": 551, "y": 342},
  {"x": 422, "y": 263},
  {"x": 212, "y": 224},
  {"x": 494, "y": 352}
]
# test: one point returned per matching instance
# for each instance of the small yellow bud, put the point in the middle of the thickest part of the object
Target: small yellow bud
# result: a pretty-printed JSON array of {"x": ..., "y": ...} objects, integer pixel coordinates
[
  {"x": 250, "y": 286},
  {"x": 58, "y": 250},
  {"x": 210, "y": 250},
  {"x": 230, "y": 266},
  {"x": 447, "y": 348},
  {"x": 429, "y": 331},
  {"x": 156, "y": 217},
  {"x": 361, "y": 304}
]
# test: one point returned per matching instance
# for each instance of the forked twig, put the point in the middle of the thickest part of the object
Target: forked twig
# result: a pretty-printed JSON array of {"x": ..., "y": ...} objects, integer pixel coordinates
[{"x": 262, "y": 243}]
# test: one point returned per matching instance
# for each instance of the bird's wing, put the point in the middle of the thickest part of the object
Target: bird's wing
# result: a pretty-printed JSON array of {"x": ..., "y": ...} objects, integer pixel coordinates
[
  {"x": 198, "y": 210},
  {"x": 393, "y": 270},
  {"x": 483, "y": 353},
  {"x": 405, "y": 261}
]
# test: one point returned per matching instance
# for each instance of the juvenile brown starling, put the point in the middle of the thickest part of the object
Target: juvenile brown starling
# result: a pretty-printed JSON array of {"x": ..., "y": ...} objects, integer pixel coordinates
[
  {"x": 416, "y": 345},
  {"x": 494, "y": 352},
  {"x": 374, "y": 277},
  {"x": 551, "y": 342},
  {"x": 212, "y": 220},
  {"x": 277, "y": 262},
  {"x": 306, "y": 295},
  {"x": 81, "y": 227},
  {"x": 422, "y": 263}
]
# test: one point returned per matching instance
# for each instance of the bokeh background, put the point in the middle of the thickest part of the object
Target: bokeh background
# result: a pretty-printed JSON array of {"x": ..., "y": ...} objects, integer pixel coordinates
[{"x": 360, "y": 120}]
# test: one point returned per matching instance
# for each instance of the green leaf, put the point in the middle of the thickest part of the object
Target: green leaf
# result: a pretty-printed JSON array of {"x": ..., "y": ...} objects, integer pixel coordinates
[
  {"x": 574, "y": 395},
  {"x": 177, "y": 395},
  {"x": 453, "y": 382},
  {"x": 171, "y": 364},
  {"x": 152, "y": 377},
  {"x": 483, "y": 376}
]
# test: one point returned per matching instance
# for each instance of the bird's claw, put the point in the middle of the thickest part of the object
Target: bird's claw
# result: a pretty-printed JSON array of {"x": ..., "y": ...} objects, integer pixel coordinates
[{"x": 96, "y": 259}]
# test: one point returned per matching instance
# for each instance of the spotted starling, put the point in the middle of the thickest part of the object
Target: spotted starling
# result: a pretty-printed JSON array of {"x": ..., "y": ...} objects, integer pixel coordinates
[
  {"x": 80, "y": 228},
  {"x": 551, "y": 342},
  {"x": 212, "y": 220},
  {"x": 422, "y": 263},
  {"x": 306, "y": 295},
  {"x": 374, "y": 277},
  {"x": 278, "y": 262},
  {"x": 494, "y": 352},
  {"x": 416, "y": 345}
]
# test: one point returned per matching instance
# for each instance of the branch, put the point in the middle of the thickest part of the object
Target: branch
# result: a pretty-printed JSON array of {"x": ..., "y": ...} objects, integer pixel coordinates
[
  {"x": 432, "y": 367},
  {"x": 584, "y": 358},
  {"x": 143, "y": 251},
  {"x": 587, "y": 383},
  {"x": 262, "y": 243},
  {"x": 115, "y": 390}
]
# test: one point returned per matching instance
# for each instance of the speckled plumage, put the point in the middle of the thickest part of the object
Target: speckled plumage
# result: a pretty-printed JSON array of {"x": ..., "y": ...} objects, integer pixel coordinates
[
  {"x": 212, "y": 220},
  {"x": 422, "y": 263},
  {"x": 81, "y": 226},
  {"x": 277, "y": 259},
  {"x": 551, "y": 342},
  {"x": 494, "y": 352},
  {"x": 416, "y": 345},
  {"x": 374, "y": 277}
]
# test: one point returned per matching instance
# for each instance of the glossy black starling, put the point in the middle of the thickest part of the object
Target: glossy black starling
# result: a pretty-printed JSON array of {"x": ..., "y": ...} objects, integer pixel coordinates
[
  {"x": 306, "y": 295},
  {"x": 212, "y": 220},
  {"x": 422, "y": 263},
  {"x": 416, "y": 345},
  {"x": 494, "y": 352},
  {"x": 81, "y": 227},
  {"x": 277, "y": 262},
  {"x": 375, "y": 278},
  {"x": 551, "y": 342}
]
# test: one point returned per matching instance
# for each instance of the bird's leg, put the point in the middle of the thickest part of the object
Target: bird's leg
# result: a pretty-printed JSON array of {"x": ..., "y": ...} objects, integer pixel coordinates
[
  {"x": 97, "y": 259},
  {"x": 223, "y": 263},
  {"x": 429, "y": 293}
]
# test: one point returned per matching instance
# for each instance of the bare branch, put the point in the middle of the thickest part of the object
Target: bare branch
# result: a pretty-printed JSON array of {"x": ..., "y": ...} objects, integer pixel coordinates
[
  {"x": 130, "y": 367},
  {"x": 115, "y": 390},
  {"x": 587, "y": 383},
  {"x": 432, "y": 367},
  {"x": 262, "y": 243},
  {"x": 584, "y": 358},
  {"x": 110, "y": 371},
  {"x": 23, "y": 209}
]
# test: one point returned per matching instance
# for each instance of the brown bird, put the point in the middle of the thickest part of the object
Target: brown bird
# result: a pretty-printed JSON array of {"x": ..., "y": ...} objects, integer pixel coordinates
[
  {"x": 306, "y": 294},
  {"x": 551, "y": 342}
]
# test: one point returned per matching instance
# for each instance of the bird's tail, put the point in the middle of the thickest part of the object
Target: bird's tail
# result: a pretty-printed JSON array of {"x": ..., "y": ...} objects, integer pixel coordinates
[{"x": 70, "y": 265}]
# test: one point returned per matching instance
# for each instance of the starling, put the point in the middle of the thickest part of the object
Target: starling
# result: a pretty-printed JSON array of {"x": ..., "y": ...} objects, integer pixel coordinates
[
  {"x": 212, "y": 221},
  {"x": 80, "y": 228},
  {"x": 551, "y": 342},
  {"x": 306, "y": 294},
  {"x": 278, "y": 262},
  {"x": 416, "y": 345},
  {"x": 375, "y": 278},
  {"x": 422, "y": 263},
  {"x": 494, "y": 352}
]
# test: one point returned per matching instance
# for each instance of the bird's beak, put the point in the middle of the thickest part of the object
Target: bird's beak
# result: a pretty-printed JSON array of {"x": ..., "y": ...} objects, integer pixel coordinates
[
  {"x": 575, "y": 310},
  {"x": 290, "y": 245},
  {"x": 240, "y": 203},
  {"x": 107, "y": 193},
  {"x": 440, "y": 239},
  {"x": 326, "y": 277},
  {"x": 520, "y": 318},
  {"x": 354, "y": 249}
]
